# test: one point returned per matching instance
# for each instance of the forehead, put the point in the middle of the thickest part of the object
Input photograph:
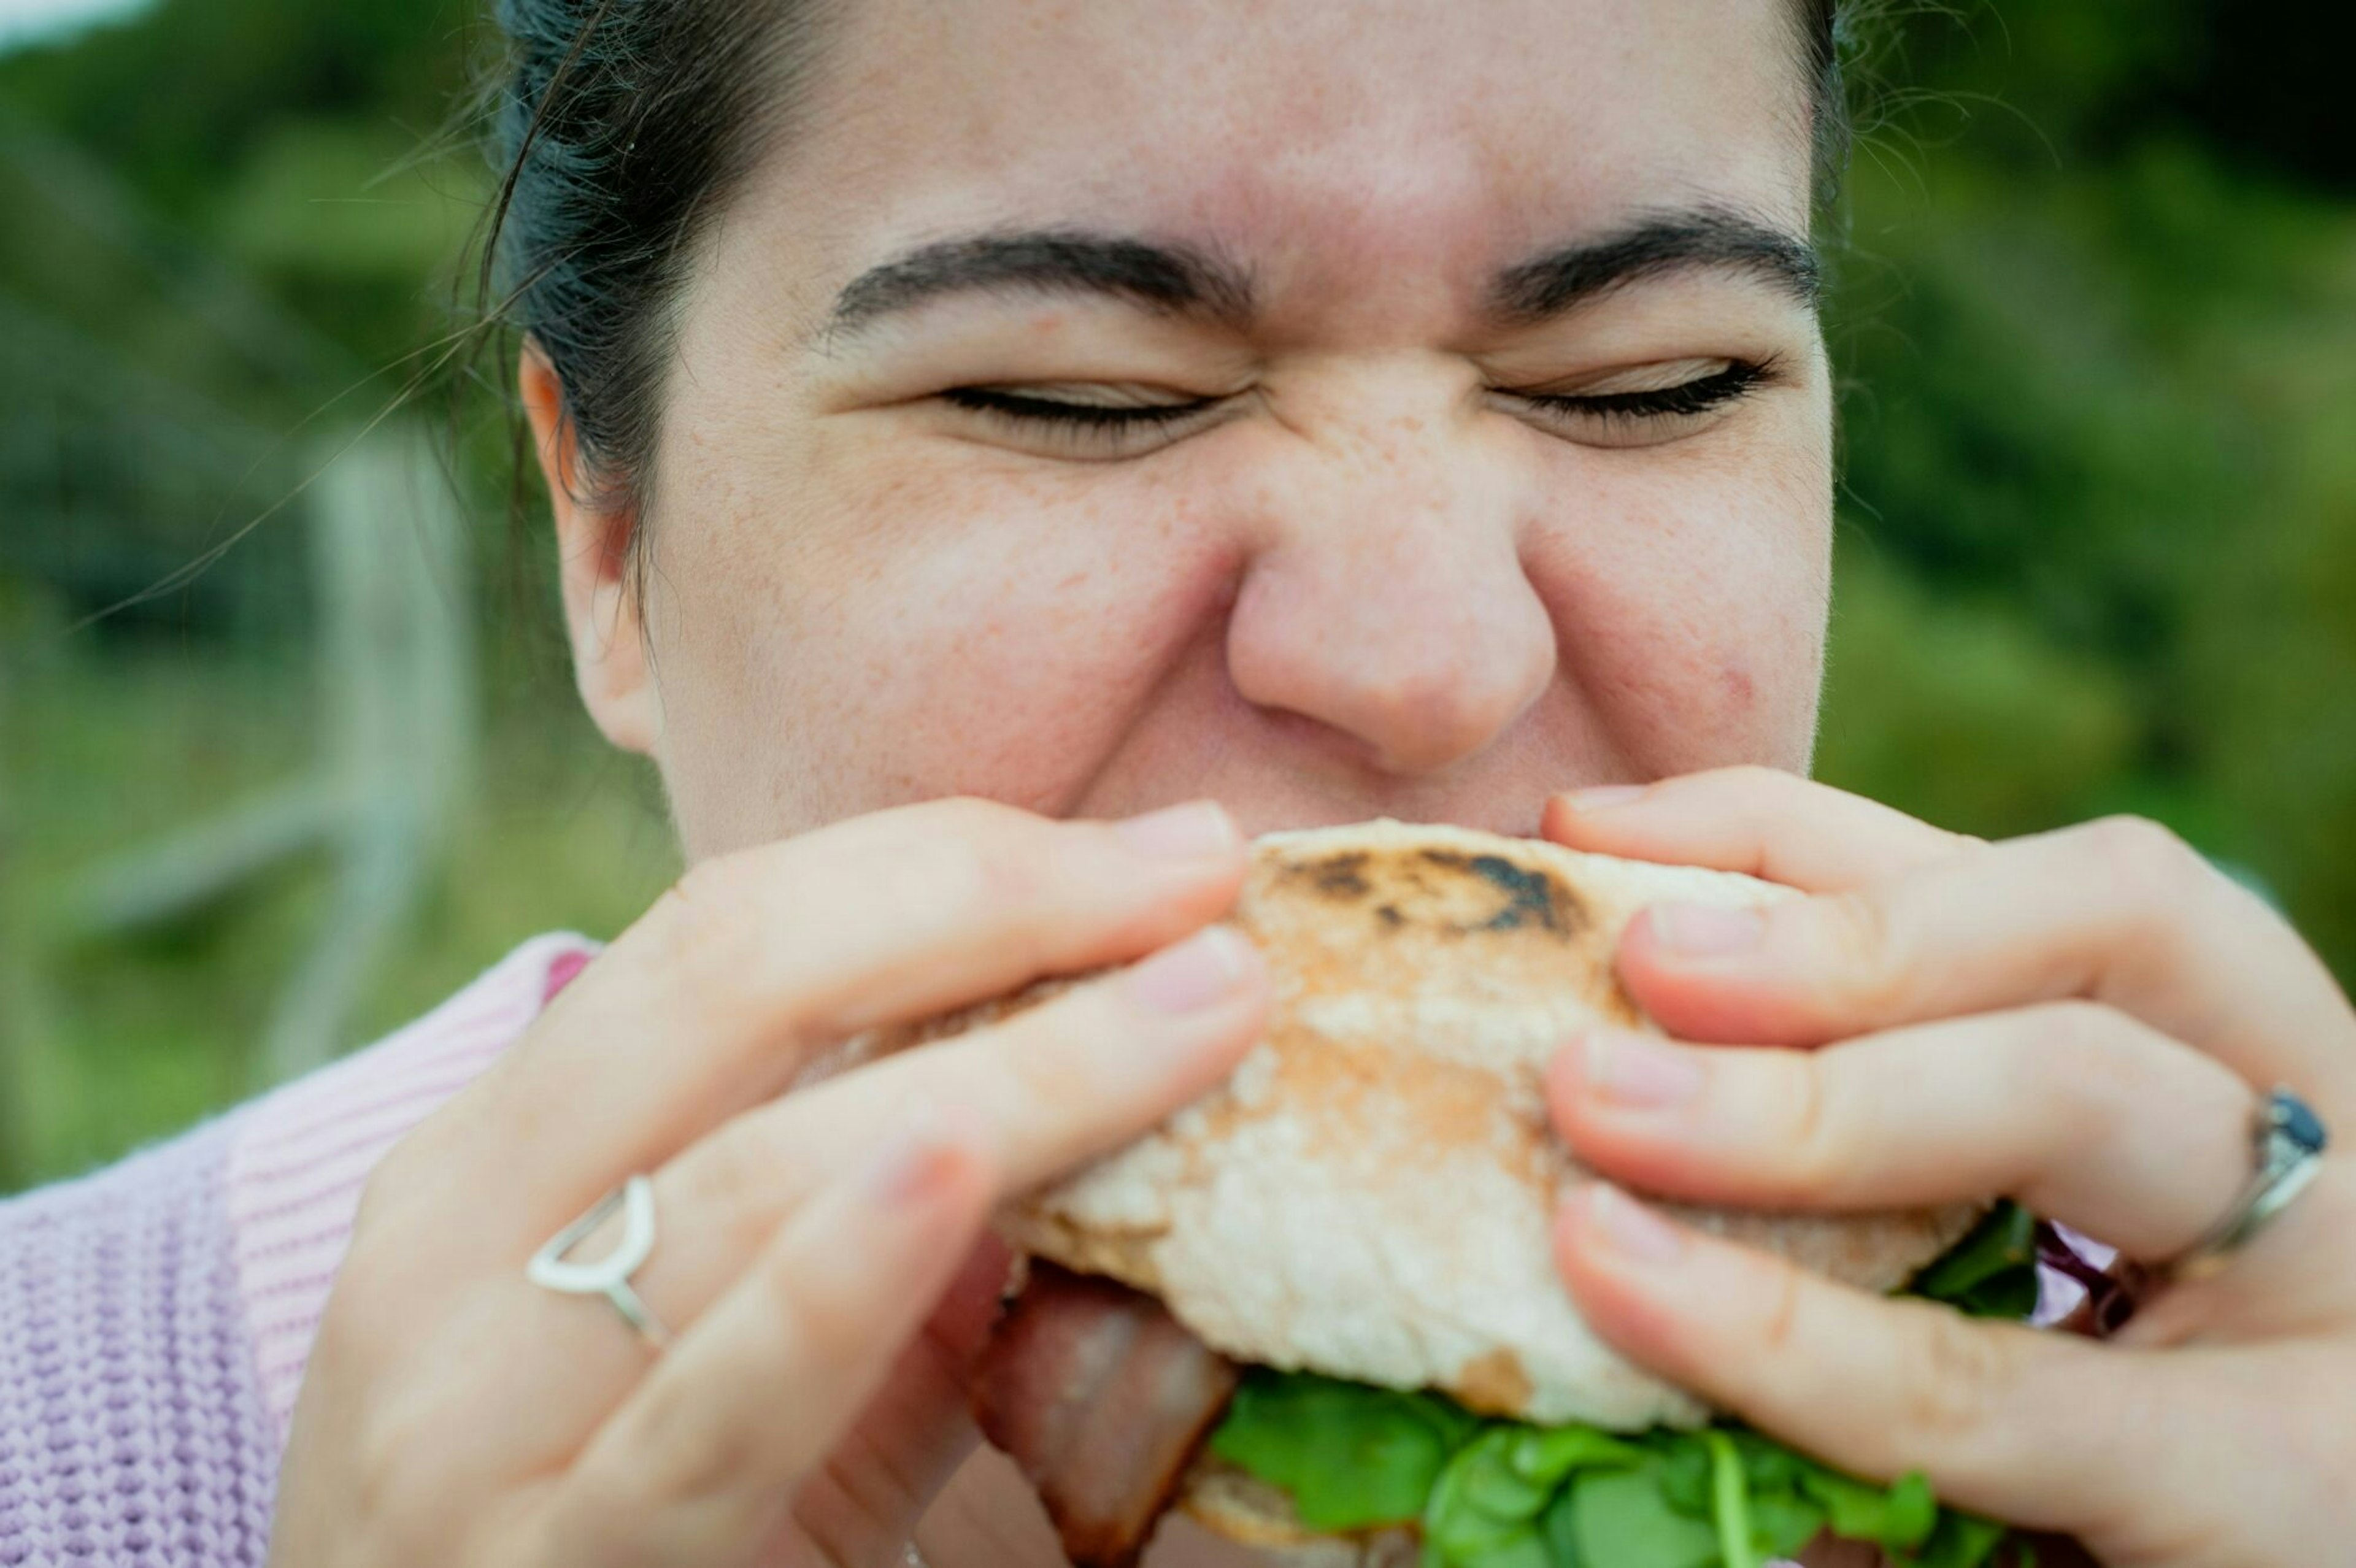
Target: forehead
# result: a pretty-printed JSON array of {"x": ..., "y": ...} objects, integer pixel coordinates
[{"x": 1329, "y": 147}]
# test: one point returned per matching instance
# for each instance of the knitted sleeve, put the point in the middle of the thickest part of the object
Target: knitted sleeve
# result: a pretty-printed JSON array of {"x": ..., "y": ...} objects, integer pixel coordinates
[
  {"x": 132, "y": 1424},
  {"x": 155, "y": 1317}
]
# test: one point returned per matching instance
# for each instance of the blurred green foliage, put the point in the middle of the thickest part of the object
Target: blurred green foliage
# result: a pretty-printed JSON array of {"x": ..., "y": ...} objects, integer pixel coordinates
[
  {"x": 2100, "y": 443},
  {"x": 2095, "y": 313}
]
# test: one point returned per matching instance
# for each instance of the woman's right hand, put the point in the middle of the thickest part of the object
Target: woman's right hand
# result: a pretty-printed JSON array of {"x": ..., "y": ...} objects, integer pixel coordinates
[{"x": 821, "y": 1257}]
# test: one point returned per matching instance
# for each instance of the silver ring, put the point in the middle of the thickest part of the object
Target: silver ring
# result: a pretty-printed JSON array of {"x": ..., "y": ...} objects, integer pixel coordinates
[
  {"x": 609, "y": 1276},
  {"x": 2287, "y": 1144}
]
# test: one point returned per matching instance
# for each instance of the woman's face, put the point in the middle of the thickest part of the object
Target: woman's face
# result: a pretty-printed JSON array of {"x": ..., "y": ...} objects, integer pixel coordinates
[{"x": 1313, "y": 542}]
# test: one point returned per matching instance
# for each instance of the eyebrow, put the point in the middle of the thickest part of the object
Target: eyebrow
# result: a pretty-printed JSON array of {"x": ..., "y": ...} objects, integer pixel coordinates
[
  {"x": 1714, "y": 238},
  {"x": 1181, "y": 278},
  {"x": 1186, "y": 280}
]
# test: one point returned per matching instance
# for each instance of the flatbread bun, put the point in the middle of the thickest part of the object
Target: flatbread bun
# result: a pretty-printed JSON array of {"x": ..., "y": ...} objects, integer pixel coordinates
[{"x": 1370, "y": 1194}]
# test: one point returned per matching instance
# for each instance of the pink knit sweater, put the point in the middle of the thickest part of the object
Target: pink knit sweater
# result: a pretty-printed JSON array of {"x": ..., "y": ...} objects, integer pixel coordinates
[{"x": 156, "y": 1316}]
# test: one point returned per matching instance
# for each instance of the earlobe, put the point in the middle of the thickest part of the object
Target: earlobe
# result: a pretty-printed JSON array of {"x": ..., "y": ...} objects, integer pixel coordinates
[{"x": 602, "y": 618}]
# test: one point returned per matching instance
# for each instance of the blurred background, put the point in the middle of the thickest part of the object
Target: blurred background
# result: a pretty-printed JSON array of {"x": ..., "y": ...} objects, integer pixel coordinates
[{"x": 288, "y": 749}]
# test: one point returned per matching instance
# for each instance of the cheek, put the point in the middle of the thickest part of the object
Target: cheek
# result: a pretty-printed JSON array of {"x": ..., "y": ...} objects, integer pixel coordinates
[
  {"x": 906, "y": 632},
  {"x": 1690, "y": 607}
]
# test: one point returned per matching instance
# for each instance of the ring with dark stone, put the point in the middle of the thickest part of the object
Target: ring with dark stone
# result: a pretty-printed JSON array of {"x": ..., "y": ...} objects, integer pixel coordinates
[{"x": 2287, "y": 1144}]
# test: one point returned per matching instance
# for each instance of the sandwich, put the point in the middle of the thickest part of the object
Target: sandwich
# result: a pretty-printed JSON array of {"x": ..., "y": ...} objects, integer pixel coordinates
[{"x": 1317, "y": 1310}]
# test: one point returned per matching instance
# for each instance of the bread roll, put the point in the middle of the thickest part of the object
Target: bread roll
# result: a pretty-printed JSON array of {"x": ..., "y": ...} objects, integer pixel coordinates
[{"x": 1370, "y": 1195}]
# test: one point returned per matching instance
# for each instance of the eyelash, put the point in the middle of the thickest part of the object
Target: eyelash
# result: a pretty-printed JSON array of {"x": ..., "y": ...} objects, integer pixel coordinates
[
  {"x": 1685, "y": 399},
  {"x": 1083, "y": 417},
  {"x": 1082, "y": 421}
]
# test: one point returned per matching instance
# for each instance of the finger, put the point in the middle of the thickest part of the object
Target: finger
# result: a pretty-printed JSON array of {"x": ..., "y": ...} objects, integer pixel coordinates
[
  {"x": 2044, "y": 1430},
  {"x": 1047, "y": 1089},
  {"x": 2117, "y": 911},
  {"x": 915, "y": 1435},
  {"x": 711, "y": 1002},
  {"x": 2080, "y": 1113},
  {"x": 1051, "y": 1087},
  {"x": 1762, "y": 821},
  {"x": 702, "y": 1462}
]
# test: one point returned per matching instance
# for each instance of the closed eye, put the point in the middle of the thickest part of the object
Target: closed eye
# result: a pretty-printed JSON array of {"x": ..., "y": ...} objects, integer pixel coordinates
[
  {"x": 1082, "y": 427},
  {"x": 1679, "y": 401},
  {"x": 1084, "y": 416}
]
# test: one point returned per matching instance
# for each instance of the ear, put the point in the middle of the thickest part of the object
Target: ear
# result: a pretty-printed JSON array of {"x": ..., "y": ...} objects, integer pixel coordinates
[{"x": 610, "y": 661}]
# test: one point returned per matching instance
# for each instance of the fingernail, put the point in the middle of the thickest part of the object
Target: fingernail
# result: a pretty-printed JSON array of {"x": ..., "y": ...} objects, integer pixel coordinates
[
  {"x": 1604, "y": 797},
  {"x": 1632, "y": 1228},
  {"x": 1192, "y": 975},
  {"x": 1193, "y": 831},
  {"x": 1630, "y": 1069},
  {"x": 1706, "y": 931}
]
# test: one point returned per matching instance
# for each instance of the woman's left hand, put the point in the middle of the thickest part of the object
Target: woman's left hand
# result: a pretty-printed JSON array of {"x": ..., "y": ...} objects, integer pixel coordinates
[{"x": 2083, "y": 1021}]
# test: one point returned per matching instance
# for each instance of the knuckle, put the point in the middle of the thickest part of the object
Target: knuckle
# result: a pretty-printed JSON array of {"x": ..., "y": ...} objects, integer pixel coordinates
[
  {"x": 2083, "y": 1062},
  {"x": 733, "y": 1178},
  {"x": 982, "y": 863},
  {"x": 1756, "y": 778},
  {"x": 1958, "y": 1378},
  {"x": 833, "y": 1328},
  {"x": 1067, "y": 1065},
  {"x": 2143, "y": 862},
  {"x": 1753, "y": 786},
  {"x": 1779, "y": 1313},
  {"x": 1865, "y": 965},
  {"x": 991, "y": 851},
  {"x": 1032, "y": 1076},
  {"x": 708, "y": 928},
  {"x": 1042, "y": 1064},
  {"x": 1820, "y": 1157},
  {"x": 973, "y": 816},
  {"x": 1010, "y": 871}
]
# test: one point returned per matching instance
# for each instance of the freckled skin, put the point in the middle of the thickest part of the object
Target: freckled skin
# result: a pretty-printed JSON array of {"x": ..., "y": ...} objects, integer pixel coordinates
[{"x": 1364, "y": 588}]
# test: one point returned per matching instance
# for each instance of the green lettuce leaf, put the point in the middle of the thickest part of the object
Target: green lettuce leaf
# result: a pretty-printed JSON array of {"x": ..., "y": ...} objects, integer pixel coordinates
[
  {"x": 1992, "y": 1272},
  {"x": 1898, "y": 1518},
  {"x": 1353, "y": 1457},
  {"x": 1965, "y": 1541},
  {"x": 1619, "y": 1519},
  {"x": 1501, "y": 1494}
]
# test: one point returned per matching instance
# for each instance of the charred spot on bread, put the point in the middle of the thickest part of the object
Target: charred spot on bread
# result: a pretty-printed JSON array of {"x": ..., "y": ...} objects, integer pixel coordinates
[
  {"x": 1338, "y": 877},
  {"x": 1532, "y": 897},
  {"x": 1450, "y": 891}
]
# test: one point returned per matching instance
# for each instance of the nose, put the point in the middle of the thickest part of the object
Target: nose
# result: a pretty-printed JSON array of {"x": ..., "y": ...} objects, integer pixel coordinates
[{"x": 1386, "y": 598}]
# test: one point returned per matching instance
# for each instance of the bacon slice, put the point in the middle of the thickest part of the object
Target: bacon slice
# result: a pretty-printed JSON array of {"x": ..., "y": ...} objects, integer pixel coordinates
[{"x": 1100, "y": 1398}]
